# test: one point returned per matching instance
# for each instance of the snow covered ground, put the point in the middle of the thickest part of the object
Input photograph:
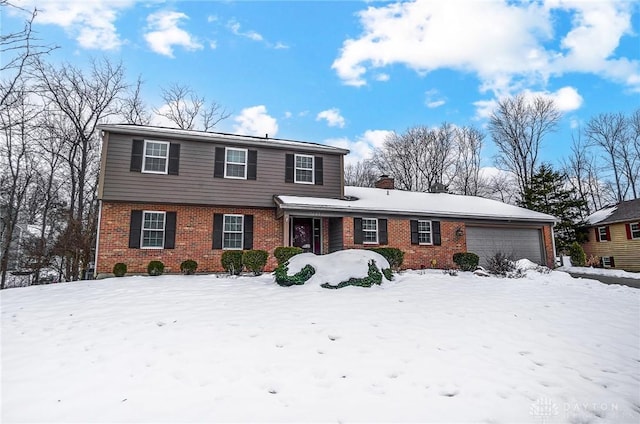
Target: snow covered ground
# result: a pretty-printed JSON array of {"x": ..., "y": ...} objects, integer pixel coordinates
[
  {"x": 599, "y": 271},
  {"x": 427, "y": 347}
]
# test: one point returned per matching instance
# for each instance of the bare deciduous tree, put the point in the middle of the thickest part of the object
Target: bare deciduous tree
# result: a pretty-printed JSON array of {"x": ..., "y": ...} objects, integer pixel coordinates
[
  {"x": 183, "y": 107},
  {"x": 518, "y": 126},
  {"x": 469, "y": 141},
  {"x": 360, "y": 174},
  {"x": 133, "y": 108}
]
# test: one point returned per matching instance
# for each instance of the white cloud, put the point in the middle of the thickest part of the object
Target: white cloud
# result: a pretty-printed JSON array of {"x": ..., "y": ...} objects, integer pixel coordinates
[
  {"x": 255, "y": 121},
  {"x": 163, "y": 33},
  {"x": 566, "y": 99},
  {"x": 92, "y": 23},
  {"x": 382, "y": 77},
  {"x": 505, "y": 44},
  {"x": 287, "y": 115},
  {"x": 433, "y": 99},
  {"x": 280, "y": 46},
  {"x": 234, "y": 27},
  {"x": 332, "y": 116},
  {"x": 362, "y": 147}
]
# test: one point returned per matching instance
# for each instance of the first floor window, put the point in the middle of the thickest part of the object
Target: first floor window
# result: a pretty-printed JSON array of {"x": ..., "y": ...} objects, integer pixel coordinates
[
  {"x": 304, "y": 169},
  {"x": 369, "y": 230},
  {"x": 607, "y": 261},
  {"x": 236, "y": 163},
  {"x": 635, "y": 230},
  {"x": 156, "y": 157},
  {"x": 424, "y": 232},
  {"x": 153, "y": 226},
  {"x": 602, "y": 233},
  {"x": 232, "y": 232}
]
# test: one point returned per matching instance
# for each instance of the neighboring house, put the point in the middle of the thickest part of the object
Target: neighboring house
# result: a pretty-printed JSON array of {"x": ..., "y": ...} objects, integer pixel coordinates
[
  {"x": 614, "y": 236},
  {"x": 171, "y": 195}
]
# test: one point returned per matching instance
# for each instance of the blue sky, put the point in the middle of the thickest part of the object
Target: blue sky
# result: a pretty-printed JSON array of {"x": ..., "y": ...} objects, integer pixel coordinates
[{"x": 346, "y": 73}]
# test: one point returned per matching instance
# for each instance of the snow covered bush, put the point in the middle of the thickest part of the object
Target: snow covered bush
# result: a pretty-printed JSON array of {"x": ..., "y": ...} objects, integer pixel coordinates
[
  {"x": 232, "y": 261},
  {"x": 285, "y": 280},
  {"x": 576, "y": 252},
  {"x": 374, "y": 276},
  {"x": 155, "y": 268},
  {"x": 255, "y": 260},
  {"x": 500, "y": 264},
  {"x": 188, "y": 267},
  {"x": 283, "y": 254},
  {"x": 119, "y": 269},
  {"x": 393, "y": 255},
  {"x": 467, "y": 261}
]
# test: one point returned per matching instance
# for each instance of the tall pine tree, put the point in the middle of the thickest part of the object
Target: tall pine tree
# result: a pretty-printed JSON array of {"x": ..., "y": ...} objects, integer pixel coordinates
[{"x": 549, "y": 193}]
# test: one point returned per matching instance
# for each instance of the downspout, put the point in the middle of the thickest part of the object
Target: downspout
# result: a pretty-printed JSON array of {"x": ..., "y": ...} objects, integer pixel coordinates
[{"x": 95, "y": 259}]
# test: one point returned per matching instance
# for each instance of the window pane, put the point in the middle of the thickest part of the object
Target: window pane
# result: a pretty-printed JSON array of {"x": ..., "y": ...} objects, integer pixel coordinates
[
  {"x": 233, "y": 223},
  {"x": 153, "y": 221},
  {"x": 369, "y": 224},
  {"x": 156, "y": 149},
  {"x": 236, "y": 156},
  {"x": 424, "y": 238},
  {"x": 603, "y": 233},
  {"x": 370, "y": 236},
  {"x": 304, "y": 176},
  {"x": 232, "y": 241},
  {"x": 235, "y": 170},
  {"x": 152, "y": 238},
  {"x": 305, "y": 162},
  {"x": 635, "y": 231},
  {"x": 155, "y": 164},
  {"x": 424, "y": 226}
]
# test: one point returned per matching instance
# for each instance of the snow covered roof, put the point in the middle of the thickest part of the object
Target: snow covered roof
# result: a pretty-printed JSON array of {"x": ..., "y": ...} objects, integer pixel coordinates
[
  {"x": 152, "y": 131},
  {"x": 399, "y": 202},
  {"x": 628, "y": 210}
]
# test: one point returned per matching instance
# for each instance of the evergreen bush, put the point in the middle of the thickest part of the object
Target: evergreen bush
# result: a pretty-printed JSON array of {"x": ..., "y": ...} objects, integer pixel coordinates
[
  {"x": 232, "y": 261},
  {"x": 500, "y": 264},
  {"x": 255, "y": 260},
  {"x": 188, "y": 267},
  {"x": 467, "y": 261},
  {"x": 297, "y": 279},
  {"x": 283, "y": 254},
  {"x": 374, "y": 276},
  {"x": 393, "y": 255},
  {"x": 576, "y": 252},
  {"x": 388, "y": 274},
  {"x": 120, "y": 269},
  {"x": 155, "y": 268}
]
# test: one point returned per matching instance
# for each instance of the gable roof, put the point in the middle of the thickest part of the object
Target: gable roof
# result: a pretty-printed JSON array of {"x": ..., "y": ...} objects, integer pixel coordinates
[
  {"x": 629, "y": 210},
  {"x": 205, "y": 136},
  {"x": 398, "y": 202}
]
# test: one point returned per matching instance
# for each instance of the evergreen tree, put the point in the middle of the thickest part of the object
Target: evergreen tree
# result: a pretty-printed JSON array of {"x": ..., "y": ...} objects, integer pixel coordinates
[{"x": 549, "y": 193}]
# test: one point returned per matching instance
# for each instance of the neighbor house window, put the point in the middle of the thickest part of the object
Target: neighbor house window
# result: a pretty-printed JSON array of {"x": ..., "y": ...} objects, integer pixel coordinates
[
  {"x": 424, "y": 232},
  {"x": 635, "y": 230},
  {"x": 607, "y": 261},
  {"x": 235, "y": 163},
  {"x": 156, "y": 157},
  {"x": 369, "y": 230},
  {"x": 153, "y": 226},
  {"x": 304, "y": 169},
  {"x": 232, "y": 232},
  {"x": 602, "y": 233}
]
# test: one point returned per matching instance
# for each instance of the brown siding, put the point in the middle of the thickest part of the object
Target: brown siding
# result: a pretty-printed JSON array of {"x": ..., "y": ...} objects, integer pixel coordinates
[
  {"x": 626, "y": 253},
  {"x": 196, "y": 184}
]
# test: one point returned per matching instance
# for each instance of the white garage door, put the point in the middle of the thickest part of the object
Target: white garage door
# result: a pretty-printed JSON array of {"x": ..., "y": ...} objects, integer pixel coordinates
[{"x": 517, "y": 242}]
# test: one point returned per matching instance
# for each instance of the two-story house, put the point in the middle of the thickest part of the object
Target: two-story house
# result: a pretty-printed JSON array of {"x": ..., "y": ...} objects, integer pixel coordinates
[{"x": 170, "y": 195}]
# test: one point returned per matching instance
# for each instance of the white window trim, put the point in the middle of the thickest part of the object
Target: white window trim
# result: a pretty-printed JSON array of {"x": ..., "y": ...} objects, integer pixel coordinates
[
  {"x": 600, "y": 234},
  {"x": 370, "y": 231},
  {"x": 164, "y": 229},
  {"x": 224, "y": 218},
  {"x": 608, "y": 258},
  {"x": 166, "y": 158},
  {"x": 226, "y": 162},
  {"x": 637, "y": 224},
  {"x": 295, "y": 168},
  {"x": 424, "y": 232}
]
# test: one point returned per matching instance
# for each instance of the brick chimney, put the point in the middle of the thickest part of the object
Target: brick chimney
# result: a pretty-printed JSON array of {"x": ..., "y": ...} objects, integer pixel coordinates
[{"x": 385, "y": 182}]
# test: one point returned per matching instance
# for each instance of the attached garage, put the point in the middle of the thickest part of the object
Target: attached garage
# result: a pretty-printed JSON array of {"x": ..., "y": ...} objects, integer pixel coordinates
[{"x": 517, "y": 242}]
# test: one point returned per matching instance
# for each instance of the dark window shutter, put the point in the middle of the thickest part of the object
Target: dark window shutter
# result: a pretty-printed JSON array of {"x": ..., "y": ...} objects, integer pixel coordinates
[
  {"x": 217, "y": 230},
  {"x": 357, "y": 230},
  {"x": 174, "y": 159},
  {"x": 288, "y": 168},
  {"x": 135, "y": 228},
  {"x": 218, "y": 166},
  {"x": 252, "y": 165},
  {"x": 248, "y": 232},
  {"x": 613, "y": 263},
  {"x": 136, "y": 155},
  {"x": 383, "y": 237},
  {"x": 597, "y": 234},
  {"x": 608, "y": 233},
  {"x": 414, "y": 232},
  {"x": 435, "y": 228},
  {"x": 319, "y": 174},
  {"x": 628, "y": 228},
  {"x": 170, "y": 230}
]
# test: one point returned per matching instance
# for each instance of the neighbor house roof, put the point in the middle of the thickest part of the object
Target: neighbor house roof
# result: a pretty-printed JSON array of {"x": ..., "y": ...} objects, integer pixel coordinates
[
  {"x": 399, "y": 202},
  {"x": 628, "y": 210},
  {"x": 213, "y": 137}
]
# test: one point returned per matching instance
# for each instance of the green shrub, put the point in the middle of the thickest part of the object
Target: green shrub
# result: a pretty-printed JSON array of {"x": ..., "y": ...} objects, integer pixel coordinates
[
  {"x": 388, "y": 274},
  {"x": 255, "y": 260},
  {"x": 188, "y": 267},
  {"x": 374, "y": 276},
  {"x": 155, "y": 268},
  {"x": 120, "y": 269},
  {"x": 576, "y": 252},
  {"x": 283, "y": 254},
  {"x": 467, "y": 261},
  {"x": 232, "y": 261},
  {"x": 393, "y": 255},
  {"x": 297, "y": 279},
  {"x": 500, "y": 264}
]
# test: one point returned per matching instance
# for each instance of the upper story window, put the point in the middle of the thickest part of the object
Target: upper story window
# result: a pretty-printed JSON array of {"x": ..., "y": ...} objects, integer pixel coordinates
[
  {"x": 424, "y": 232},
  {"x": 232, "y": 233},
  {"x": 156, "y": 157},
  {"x": 602, "y": 234},
  {"x": 235, "y": 163},
  {"x": 635, "y": 230},
  {"x": 370, "y": 230},
  {"x": 153, "y": 227},
  {"x": 304, "y": 169}
]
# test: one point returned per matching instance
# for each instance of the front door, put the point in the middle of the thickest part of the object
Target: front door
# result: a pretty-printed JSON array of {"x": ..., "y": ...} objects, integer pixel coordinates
[{"x": 306, "y": 234}]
